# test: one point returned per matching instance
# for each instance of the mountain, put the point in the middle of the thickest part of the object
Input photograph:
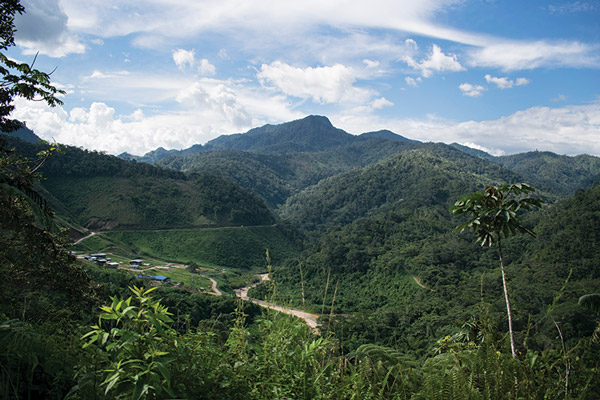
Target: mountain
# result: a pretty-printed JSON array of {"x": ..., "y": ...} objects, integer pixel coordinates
[
  {"x": 103, "y": 192},
  {"x": 24, "y": 133},
  {"x": 385, "y": 134},
  {"x": 161, "y": 153},
  {"x": 275, "y": 177},
  {"x": 473, "y": 152},
  {"x": 313, "y": 133},
  {"x": 558, "y": 174},
  {"x": 431, "y": 175}
]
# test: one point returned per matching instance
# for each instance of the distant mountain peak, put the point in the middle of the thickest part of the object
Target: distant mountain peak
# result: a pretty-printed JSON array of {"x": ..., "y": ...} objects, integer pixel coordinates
[
  {"x": 309, "y": 134},
  {"x": 386, "y": 134}
]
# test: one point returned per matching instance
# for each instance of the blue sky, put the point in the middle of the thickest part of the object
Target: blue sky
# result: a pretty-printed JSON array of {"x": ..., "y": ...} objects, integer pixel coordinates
[{"x": 502, "y": 76}]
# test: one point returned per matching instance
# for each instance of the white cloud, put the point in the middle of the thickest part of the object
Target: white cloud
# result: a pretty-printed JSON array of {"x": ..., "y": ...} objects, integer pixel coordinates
[
  {"x": 135, "y": 88},
  {"x": 216, "y": 96},
  {"x": 502, "y": 83},
  {"x": 187, "y": 59},
  {"x": 323, "y": 84},
  {"x": 574, "y": 7},
  {"x": 371, "y": 63},
  {"x": 206, "y": 68},
  {"x": 511, "y": 56},
  {"x": 223, "y": 54},
  {"x": 43, "y": 29},
  {"x": 505, "y": 82},
  {"x": 567, "y": 130},
  {"x": 560, "y": 97},
  {"x": 522, "y": 81},
  {"x": 471, "y": 90},
  {"x": 412, "y": 81},
  {"x": 97, "y": 74},
  {"x": 380, "y": 103},
  {"x": 495, "y": 152},
  {"x": 436, "y": 61},
  {"x": 273, "y": 24},
  {"x": 411, "y": 43},
  {"x": 207, "y": 108},
  {"x": 183, "y": 58}
]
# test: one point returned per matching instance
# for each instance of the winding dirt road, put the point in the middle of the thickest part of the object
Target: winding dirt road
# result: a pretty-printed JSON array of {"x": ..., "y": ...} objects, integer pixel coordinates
[
  {"x": 213, "y": 288},
  {"x": 85, "y": 237},
  {"x": 310, "y": 319}
]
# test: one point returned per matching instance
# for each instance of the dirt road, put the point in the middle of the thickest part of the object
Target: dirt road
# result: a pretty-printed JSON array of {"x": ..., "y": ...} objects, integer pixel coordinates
[
  {"x": 85, "y": 237},
  {"x": 310, "y": 319}
]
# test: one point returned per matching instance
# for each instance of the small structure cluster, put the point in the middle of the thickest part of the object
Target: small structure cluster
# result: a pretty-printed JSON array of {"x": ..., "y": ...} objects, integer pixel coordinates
[{"x": 102, "y": 259}]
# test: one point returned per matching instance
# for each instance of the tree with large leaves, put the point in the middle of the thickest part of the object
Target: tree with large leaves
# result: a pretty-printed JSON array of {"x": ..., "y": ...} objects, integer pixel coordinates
[{"x": 492, "y": 215}]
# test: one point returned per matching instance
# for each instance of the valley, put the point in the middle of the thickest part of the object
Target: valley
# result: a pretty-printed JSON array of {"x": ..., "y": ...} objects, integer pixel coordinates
[{"x": 355, "y": 231}]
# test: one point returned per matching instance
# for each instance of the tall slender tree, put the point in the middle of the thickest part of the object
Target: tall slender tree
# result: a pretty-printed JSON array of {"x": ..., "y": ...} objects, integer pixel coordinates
[{"x": 492, "y": 215}]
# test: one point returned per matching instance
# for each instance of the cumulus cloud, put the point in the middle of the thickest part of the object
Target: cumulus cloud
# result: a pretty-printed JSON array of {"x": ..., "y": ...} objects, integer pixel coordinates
[
  {"x": 207, "y": 108},
  {"x": 206, "y": 68},
  {"x": 323, "y": 84},
  {"x": 371, "y": 63},
  {"x": 567, "y": 130},
  {"x": 43, "y": 29},
  {"x": 183, "y": 58},
  {"x": 412, "y": 81},
  {"x": 436, "y": 61},
  {"x": 471, "y": 90},
  {"x": 219, "y": 97},
  {"x": 505, "y": 82},
  {"x": 380, "y": 103}
]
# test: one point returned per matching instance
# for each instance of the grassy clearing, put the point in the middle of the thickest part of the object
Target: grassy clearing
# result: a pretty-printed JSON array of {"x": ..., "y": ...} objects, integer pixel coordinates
[
  {"x": 238, "y": 247},
  {"x": 240, "y": 251}
]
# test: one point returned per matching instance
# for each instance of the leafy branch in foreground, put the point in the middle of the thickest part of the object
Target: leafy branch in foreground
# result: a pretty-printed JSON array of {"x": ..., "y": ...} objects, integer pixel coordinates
[
  {"x": 19, "y": 79},
  {"x": 492, "y": 215},
  {"x": 134, "y": 339}
]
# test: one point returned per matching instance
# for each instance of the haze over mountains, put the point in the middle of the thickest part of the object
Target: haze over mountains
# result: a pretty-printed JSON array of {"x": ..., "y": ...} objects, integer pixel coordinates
[
  {"x": 288, "y": 164},
  {"x": 276, "y": 161}
]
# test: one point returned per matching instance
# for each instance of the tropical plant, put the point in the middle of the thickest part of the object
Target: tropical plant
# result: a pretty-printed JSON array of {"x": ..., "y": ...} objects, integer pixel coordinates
[
  {"x": 493, "y": 215},
  {"x": 134, "y": 340}
]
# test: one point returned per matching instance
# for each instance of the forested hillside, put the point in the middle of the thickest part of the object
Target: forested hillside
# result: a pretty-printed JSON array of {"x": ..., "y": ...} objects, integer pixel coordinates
[
  {"x": 99, "y": 191},
  {"x": 275, "y": 172},
  {"x": 405, "y": 277},
  {"x": 432, "y": 176},
  {"x": 276, "y": 162},
  {"x": 561, "y": 175}
]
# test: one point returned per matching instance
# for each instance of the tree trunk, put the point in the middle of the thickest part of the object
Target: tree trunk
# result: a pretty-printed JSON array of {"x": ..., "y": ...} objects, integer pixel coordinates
[{"x": 508, "y": 312}]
